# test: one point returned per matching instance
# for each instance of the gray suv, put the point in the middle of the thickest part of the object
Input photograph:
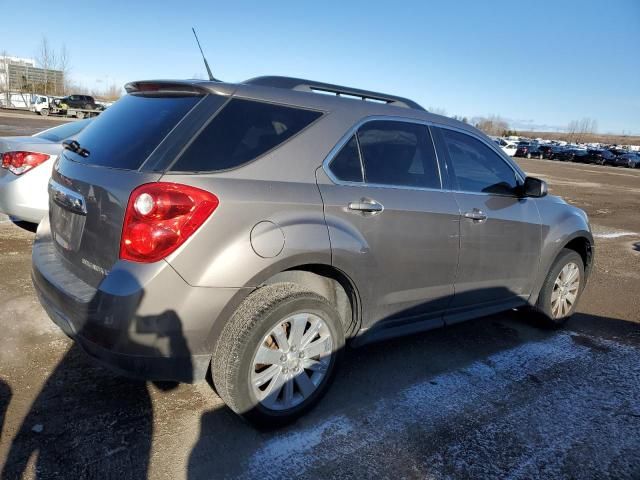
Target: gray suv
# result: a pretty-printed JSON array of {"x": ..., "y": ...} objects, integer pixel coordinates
[{"x": 249, "y": 230}]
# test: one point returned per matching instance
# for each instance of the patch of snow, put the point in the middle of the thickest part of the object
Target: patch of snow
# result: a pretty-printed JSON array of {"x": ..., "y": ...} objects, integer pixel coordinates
[
  {"x": 614, "y": 234},
  {"x": 290, "y": 451}
]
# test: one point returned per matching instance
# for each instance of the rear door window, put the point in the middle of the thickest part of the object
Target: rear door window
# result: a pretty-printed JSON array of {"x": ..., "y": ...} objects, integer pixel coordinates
[
  {"x": 242, "y": 131},
  {"x": 398, "y": 153},
  {"x": 125, "y": 134}
]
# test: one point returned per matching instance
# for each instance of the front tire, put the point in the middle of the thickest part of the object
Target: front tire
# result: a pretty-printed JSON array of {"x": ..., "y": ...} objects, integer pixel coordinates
[
  {"x": 278, "y": 354},
  {"x": 528, "y": 155},
  {"x": 562, "y": 288}
]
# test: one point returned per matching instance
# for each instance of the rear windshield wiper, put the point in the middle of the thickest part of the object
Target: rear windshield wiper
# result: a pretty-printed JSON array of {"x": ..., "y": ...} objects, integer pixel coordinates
[{"x": 75, "y": 147}]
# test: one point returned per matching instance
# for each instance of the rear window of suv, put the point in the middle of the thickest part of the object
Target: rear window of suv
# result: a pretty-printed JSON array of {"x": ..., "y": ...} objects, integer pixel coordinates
[
  {"x": 125, "y": 134},
  {"x": 242, "y": 131}
]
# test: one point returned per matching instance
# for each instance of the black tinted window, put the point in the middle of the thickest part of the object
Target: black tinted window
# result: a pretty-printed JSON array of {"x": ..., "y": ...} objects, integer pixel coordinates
[
  {"x": 242, "y": 131},
  {"x": 125, "y": 134},
  {"x": 398, "y": 153},
  {"x": 476, "y": 167},
  {"x": 346, "y": 164}
]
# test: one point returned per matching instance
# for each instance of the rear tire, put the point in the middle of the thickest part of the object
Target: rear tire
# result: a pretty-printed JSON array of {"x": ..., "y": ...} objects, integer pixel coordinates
[
  {"x": 79, "y": 115},
  {"x": 562, "y": 288},
  {"x": 528, "y": 155},
  {"x": 540, "y": 156},
  {"x": 298, "y": 336}
]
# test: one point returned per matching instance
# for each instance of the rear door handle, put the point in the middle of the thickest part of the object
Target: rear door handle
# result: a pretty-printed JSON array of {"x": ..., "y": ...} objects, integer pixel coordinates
[
  {"x": 476, "y": 215},
  {"x": 366, "y": 205}
]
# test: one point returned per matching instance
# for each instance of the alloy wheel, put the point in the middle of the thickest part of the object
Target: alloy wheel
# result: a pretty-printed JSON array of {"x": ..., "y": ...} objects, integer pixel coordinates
[{"x": 565, "y": 290}]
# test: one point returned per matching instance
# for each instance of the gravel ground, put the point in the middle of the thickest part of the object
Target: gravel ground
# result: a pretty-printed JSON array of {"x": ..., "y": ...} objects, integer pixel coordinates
[{"x": 492, "y": 398}]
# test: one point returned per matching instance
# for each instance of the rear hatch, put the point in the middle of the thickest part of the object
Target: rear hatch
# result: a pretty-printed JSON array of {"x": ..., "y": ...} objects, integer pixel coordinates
[{"x": 126, "y": 146}]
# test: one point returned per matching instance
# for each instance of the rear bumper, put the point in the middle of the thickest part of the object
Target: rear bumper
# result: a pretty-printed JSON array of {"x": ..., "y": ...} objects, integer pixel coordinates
[
  {"x": 142, "y": 320},
  {"x": 187, "y": 368}
]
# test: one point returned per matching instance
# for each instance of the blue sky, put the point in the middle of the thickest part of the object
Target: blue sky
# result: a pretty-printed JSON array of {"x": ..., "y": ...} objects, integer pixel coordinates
[{"x": 536, "y": 63}]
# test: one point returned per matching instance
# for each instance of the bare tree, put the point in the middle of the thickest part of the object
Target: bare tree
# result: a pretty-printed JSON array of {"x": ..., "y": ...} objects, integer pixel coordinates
[
  {"x": 112, "y": 92},
  {"x": 492, "y": 125},
  {"x": 4, "y": 84},
  {"x": 437, "y": 111},
  {"x": 46, "y": 58},
  {"x": 64, "y": 65},
  {"x": 579, "y": 130},
  {"x": 572, "y": 129}
]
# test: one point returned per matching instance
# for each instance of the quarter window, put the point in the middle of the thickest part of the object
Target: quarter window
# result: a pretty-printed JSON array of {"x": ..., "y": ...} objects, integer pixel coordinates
[
  {"x": 242, "y": 131},
  {"x": 346, "y": 164},
  {"x": 476, "y": 167},
  {"x": 398, "y": 154}
]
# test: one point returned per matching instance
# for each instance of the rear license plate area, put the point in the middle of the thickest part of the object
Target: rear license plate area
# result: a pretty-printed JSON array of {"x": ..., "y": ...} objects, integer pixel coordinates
[{"x": 67, "y": 227}]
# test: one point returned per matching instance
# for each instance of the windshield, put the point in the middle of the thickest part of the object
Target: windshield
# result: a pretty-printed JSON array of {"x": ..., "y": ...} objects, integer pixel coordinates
[{"x": 57, "y": 134}]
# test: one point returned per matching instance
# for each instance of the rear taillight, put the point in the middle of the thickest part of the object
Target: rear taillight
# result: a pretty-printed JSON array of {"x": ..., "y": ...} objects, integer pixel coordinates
[
  {"x": 160, "y": 217},
  {"x": 21, "y": 162}
]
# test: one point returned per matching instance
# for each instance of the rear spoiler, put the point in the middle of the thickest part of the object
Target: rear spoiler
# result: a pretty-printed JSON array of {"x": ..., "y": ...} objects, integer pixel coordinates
[{"x": 164, "y": 88}]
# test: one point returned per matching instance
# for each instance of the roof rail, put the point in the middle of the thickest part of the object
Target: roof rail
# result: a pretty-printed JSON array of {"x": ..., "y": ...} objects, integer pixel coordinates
[{"x": 301, "y": 84}]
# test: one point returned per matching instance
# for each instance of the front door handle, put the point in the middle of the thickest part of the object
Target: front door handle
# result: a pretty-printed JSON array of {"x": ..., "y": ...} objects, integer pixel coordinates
[
  {"x": 366, "y": 205},
  {"x": 476, "y": 215}
]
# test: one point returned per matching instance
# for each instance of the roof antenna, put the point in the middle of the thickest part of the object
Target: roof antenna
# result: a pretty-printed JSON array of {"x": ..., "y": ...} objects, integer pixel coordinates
[{"x": 206, "y": 64}]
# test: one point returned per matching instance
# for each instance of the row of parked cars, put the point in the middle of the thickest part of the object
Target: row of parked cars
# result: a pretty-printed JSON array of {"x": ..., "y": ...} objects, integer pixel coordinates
[
  {"x": 244, "y": 233},
  {"x": 571, "y": 153}
]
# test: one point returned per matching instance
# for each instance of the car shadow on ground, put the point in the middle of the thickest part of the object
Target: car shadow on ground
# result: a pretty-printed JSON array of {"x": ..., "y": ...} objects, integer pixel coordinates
[
  {"x": 83, "y": 424},
  {"x": 5, "y": 399},
  {"x": 87, "y": 421},
  {"x": 28, "y": 226}
]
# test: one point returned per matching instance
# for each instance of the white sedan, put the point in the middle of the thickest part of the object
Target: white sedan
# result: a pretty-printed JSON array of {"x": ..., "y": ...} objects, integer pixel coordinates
[
  {"x": 507, "y": 147},
  {"x": 26, "y": 168}
]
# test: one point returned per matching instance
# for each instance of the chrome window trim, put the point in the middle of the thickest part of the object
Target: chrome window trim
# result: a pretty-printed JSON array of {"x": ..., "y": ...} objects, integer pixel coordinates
[{"x": 353, "y": 131}]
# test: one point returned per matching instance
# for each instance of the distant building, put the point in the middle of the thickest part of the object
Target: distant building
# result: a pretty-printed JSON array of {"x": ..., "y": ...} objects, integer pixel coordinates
[{"x": 20, "y": 75}]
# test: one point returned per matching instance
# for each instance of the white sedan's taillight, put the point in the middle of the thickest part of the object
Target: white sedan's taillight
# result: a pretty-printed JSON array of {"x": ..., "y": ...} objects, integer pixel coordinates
[{"x": 21, "y": 162}]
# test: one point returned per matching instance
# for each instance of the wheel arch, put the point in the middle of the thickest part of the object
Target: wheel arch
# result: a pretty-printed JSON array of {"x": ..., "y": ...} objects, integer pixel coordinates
[
  {"x": 583, "y": 246},
  {"x": 331, "y": 283},
  {"x": 323, "y": 279},
  {"x": 580, "y": 242}
]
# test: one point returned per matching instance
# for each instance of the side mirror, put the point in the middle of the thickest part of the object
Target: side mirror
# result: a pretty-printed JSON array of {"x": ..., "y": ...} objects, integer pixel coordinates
[{"x": 534, "y": 187}]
